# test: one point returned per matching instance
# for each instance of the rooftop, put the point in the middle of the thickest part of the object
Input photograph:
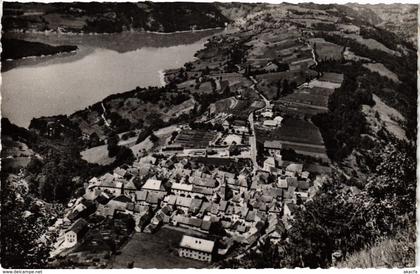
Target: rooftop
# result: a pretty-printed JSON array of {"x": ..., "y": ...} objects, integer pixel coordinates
[
  {"x": 152, "y": 184},
  {"x": 197, "y": 244}
]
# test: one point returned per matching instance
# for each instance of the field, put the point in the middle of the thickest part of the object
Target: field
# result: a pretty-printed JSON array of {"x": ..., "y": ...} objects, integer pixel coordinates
[
  {"x": 308, "y": 99},
  {"x": 222, "y": 162},
  {"x": 382, "y": 70},
  {"x": 326, "y": 50},
  {"x": 224, "y": 105},
  {"x": 300, "y": 135},
  {"x": 176, "y": 110},
  {"x": 391, "y": 118},
  {"x": 371, "y": 44},
  {"x": 296, "y": 110},
  {"x": 244, "y": 107},
  {"x": 97, "y": 155},
  {"x": 158, "y": 250},
  {"x": 194, "y": 138},
  {"x": 268, "y": 82},
  {"x": 295, "y": 130}
]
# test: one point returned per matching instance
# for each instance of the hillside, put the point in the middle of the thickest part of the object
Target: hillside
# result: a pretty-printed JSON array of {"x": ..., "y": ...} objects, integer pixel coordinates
[
  {"x": 401, "y": 19},
  {"x": 110, "y": 17},
  {"x": 398, "y": 251},
  {"x": 16, "y": 49}
]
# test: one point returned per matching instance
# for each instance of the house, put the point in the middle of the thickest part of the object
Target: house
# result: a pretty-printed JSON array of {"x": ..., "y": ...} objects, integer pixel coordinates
[
  {"x": 270, "y": 123},
  {"x": 76, "y": 232},
  {"x": 302, "y": 195},
  {"x": 273, "y": 148},
  {"x": 187, "y": 222},
  {"x": 103, "y": 198},
  {"x": 92, "y": 194},
  {"x": 153, "y": 198},
  {"x": 183, "y": 202},
  {"x": 80, "y": 210},
  {"x": 141, "y": 197},
  {"x": 267, "y": 114},
  {"x": 181, "y": 189},
  {"x": 271, "y": 67},
  {"x": 292, "y": 181},
  {"x": 196, "y": 248},
  {"x": 109, "y": 184},
  {"x": 275, "y": 208},
  {"x": 170, "y": 200},
  {"x": 295, "y": 168},
  {"x": 305, "y": 175},
  {"x": 282, "y": 182},
  {"x": 119, "y": 172},
  {"x": 278, "y": 120},
  {"x": 225, "y": 174},
  {"x": 242, "y": 183},
  {"x": 223, "y": 206},
  {"x": 195, "y": 205},
  {"x": 129, "y": 188},
  {"x": 146, "y": 160},
  {"x": 289, "y": 210},
  {"x": 205, "y": 226},
  {"x": 275, "y": 232},
  {"x": 153, "y": 185},
  {"x": 269, "y": 163},
  {"x": 303, "y": 186},
  {"x": 202, "y": 191},
  {"x": 120, "y": 202},
  {"x": 203, "y": 182},
  {"x": 250, "y": 216}
]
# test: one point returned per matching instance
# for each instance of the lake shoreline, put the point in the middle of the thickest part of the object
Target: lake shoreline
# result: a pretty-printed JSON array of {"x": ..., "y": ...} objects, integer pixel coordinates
[
  {"x": 54, "y": 32},
  {"x": 72, "y": 81}
]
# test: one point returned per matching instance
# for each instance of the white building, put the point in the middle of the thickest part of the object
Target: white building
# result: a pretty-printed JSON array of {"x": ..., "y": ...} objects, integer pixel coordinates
[
  {"x": 75, "y": 233},
  {"x": 196, "y": 248},
  {"x": 179, "y": 189}
]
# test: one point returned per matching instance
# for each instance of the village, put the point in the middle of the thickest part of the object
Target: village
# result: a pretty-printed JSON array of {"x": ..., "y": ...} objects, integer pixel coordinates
[{"x": 232, "y": 179}]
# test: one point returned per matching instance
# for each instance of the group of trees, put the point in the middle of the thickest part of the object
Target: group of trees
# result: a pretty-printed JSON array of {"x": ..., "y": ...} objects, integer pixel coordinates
[
  {"x": 343, "y": 124},
  {"x": 337, "y": 220},
  {"x": 20, "y": 245},
  {"x": 122, "y": 154},
  {"x": 403, "y": 95},
  {"x": 284, "y": 88}
]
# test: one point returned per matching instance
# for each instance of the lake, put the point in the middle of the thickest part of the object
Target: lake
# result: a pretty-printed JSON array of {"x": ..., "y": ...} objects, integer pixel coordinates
[{"x": 103, "y": 65}]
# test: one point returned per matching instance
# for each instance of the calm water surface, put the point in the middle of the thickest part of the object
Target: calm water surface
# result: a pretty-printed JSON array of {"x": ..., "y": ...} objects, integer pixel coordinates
[{"x": 104, "y": 64}]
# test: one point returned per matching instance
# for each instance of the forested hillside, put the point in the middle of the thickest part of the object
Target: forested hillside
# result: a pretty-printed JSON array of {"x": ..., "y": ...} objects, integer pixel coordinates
[{"x": 110, "y": 17}]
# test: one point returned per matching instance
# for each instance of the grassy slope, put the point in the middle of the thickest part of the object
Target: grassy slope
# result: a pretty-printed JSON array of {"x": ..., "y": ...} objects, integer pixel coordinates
[{"x": 399, "y": 251}]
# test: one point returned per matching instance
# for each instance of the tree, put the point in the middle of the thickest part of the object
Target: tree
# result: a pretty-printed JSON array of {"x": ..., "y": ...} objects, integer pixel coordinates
[
  {"x": 19, "y": 234},
  {"x": 153, "y": 138},
  {"x": 112, "y": 145}
]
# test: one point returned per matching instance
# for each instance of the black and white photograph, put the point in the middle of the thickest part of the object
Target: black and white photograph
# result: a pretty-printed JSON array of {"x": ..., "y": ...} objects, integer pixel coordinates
[{"x": 208, "y": 135}]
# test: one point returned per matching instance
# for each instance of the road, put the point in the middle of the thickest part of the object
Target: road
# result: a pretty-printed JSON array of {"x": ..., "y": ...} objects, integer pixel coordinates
[
  {"x": 266, "y": 101},
  {"x": 103, "y": 115},
  {"x": 253, "y": 142},
  {"x": 253, "y": 137}
]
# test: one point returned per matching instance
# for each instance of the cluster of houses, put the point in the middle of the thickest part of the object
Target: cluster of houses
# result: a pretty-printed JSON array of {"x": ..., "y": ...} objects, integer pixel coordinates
[
  {"x": 161, "y": 190},
  {"x": 269, "y": 120}
]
